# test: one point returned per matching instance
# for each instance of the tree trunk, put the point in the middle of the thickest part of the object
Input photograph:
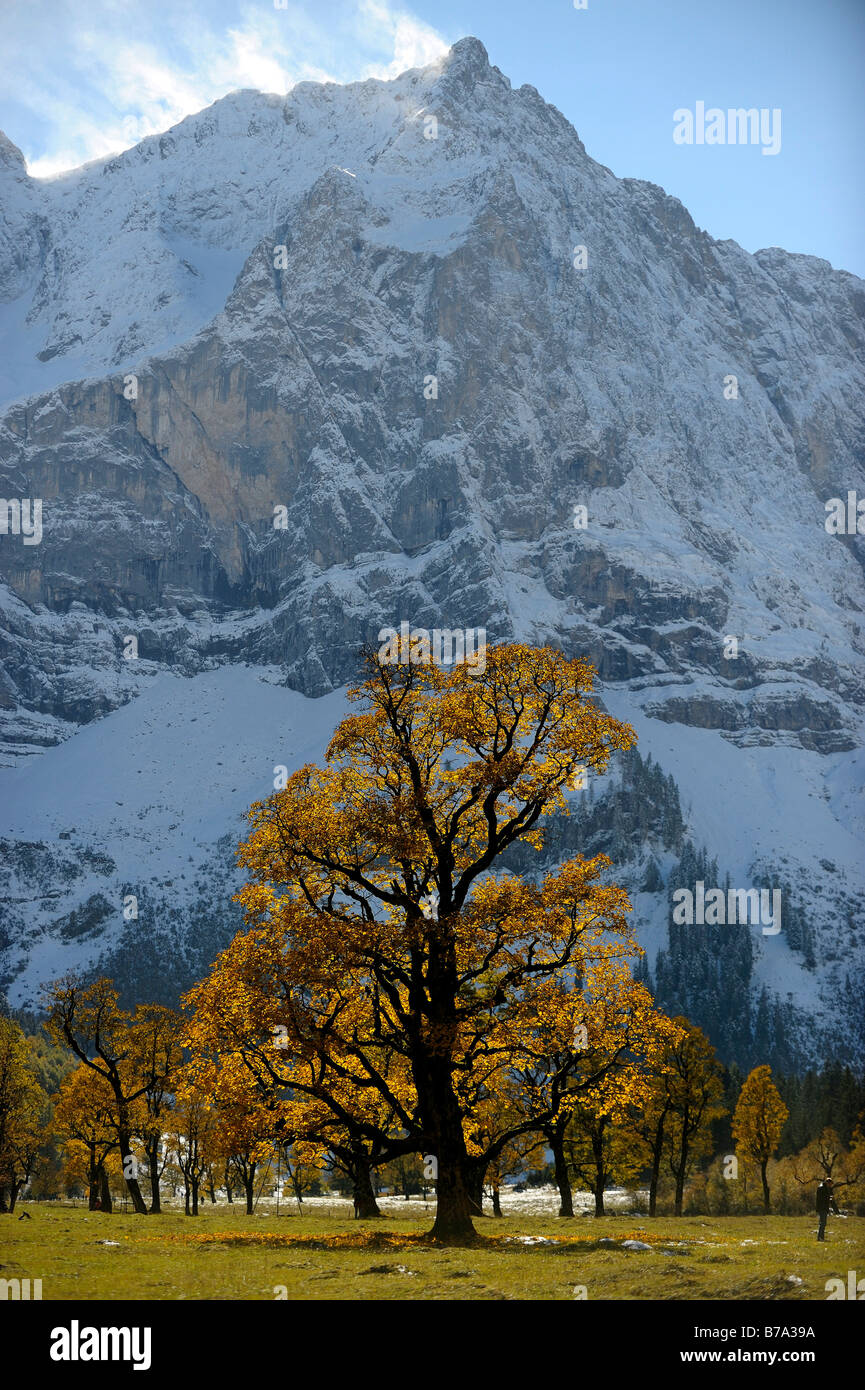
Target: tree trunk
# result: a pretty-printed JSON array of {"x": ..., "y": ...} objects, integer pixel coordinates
[
  {"x": 186, "y": 1195},
  {"x": 195, "y": 1196},
  {"x": 14, "y": 1189},
  {"x": 105, "y": 1189},
  {"x": 93, "y": 1169},
  {"x": 657, "y": 1153},
  {"x": 682, "y": 1166},
  {"x": 455, "y": 1199},
  {"x": 249, "y": 1189},
  {"x": 766, "y": 1206},
  {"x": 442, "y": 1121},
  {"x": 454, "y": 1204},
  {"x": 556, "y": 1138},
  {"x": 365, "y": 1205},
  {"x": 497, "y": 1206},
  {"x": 210, "y": 1191},
  {"x": 152, "y": 1148},
  {"x": 138, "y": 1203},
  {"x": 600, "y": 1165},
  {"x": 476, "y": 1189},
  {"x": 4, "y": 1203},
  {"x": 680, "y": 1189}
]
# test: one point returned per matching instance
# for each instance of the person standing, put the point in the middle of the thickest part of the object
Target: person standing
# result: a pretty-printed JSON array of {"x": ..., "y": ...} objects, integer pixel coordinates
[{"x": 825, "y": 1203}]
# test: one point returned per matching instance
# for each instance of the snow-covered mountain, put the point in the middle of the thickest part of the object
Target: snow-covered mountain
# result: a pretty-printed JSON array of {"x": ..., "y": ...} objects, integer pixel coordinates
[{"x": 416, "y": 326}]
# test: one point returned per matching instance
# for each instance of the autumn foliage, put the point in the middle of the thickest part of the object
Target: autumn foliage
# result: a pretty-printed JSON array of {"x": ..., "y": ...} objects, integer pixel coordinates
[
  {"x": 396, "y": 977},
  {"x": 401, "y": 999},
  {"x": 758, "y": 1122}
]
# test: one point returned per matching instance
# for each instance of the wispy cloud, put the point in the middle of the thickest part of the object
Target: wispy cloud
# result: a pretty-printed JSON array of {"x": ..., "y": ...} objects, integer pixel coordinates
[
  {"x": 412, "y": 42},
  {"x": 86, "y": 82}
]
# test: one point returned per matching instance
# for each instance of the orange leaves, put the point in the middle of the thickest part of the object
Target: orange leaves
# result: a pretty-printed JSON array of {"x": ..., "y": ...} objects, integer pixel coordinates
[
  {"x": 350, "y": 1240},
  {"x": 760, "y": 1116},
  {"x": 440, "y": 770},
  {"x": 84, "y": 1108},
  {"x": 393, "y": 972}
]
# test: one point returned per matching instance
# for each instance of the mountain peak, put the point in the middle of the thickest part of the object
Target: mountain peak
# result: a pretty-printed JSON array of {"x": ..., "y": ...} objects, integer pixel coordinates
[
  {"x": 400, "y": 352},
  {"x": 466, "y": 63},
  {"x": 468, "y": 52},
  {"x": 10, "y": 155}
]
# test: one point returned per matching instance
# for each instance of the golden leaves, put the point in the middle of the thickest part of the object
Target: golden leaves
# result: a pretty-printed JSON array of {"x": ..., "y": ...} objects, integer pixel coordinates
[
  {"x": 386, "y": 944},
  {"x": 760, "y": 1116}
]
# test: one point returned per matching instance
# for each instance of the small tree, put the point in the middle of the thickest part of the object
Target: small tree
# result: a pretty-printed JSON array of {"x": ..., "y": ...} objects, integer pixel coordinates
[
  {"x": 405, "y": 1174},
  {"x": 692, "y": 1082},
  {"x": 304, "y": 1163},
  {"x": 23, "y": 1107},
  {"x": 155, "y": 1055},
  {"x": 601, "y": 1148},
  {"x": 615, "y": 1026},
  {"x": 243, "y": 1125},
  {"x": 649, "y": 1124},
  {"x": 828, "y": 1157},
  {"x": 84, "y": 1114},
  {"x": 190, "y": 1138},
  {"x": 89, "y": 1020},
  {"x": 758, "y": 1121}
]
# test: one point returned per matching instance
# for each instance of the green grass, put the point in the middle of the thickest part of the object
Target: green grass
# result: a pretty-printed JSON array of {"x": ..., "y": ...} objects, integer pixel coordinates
[{"x": 224, "y": 1254}]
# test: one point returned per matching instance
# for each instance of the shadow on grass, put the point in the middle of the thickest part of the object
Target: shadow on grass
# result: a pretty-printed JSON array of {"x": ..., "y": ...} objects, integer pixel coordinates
[{"x": 378, "y": 1240}]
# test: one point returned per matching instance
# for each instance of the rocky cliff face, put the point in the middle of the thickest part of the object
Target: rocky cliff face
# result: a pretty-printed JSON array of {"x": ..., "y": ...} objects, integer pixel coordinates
[{"x": 304, "y": 367}]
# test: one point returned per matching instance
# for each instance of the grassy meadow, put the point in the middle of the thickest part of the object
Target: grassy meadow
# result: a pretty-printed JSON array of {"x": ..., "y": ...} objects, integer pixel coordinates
[{"x": 325, "y": 1254}]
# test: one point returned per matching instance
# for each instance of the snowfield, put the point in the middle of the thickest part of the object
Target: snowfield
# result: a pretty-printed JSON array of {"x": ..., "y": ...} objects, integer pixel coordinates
[{"x": 309, "y": 304}]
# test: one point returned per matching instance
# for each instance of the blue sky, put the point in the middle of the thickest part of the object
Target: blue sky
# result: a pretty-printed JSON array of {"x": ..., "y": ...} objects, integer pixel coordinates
[{"x": 85, "y": 78}]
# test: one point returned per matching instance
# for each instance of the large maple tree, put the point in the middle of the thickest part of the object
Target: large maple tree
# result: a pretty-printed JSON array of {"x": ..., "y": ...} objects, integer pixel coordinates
[{"x": 392, "y": 959}]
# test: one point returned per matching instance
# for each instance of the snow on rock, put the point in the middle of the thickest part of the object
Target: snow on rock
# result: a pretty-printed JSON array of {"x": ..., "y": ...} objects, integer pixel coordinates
[{"x": 308, "y": 303}]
